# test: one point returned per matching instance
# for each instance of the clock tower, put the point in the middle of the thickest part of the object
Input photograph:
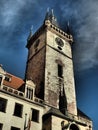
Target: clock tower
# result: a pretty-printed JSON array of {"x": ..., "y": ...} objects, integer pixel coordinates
[{"x": 50, "y": 65}]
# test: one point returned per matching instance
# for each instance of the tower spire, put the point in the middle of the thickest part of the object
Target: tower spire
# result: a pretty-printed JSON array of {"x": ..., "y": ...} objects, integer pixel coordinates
[
  {"x": 52, "y": 13},
  {"x": 47, "y": 14},
  {"x": 50, "y": 16},
  {"x": 68, "y": 28},
  {"x": 30, "y": 33}
]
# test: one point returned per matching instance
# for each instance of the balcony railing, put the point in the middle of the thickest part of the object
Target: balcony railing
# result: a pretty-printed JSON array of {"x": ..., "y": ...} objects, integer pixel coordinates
[
  {"x": 13, "y": 91},
  {"x": 19, "y": 93},
  {"x": 38, "y": 100}
]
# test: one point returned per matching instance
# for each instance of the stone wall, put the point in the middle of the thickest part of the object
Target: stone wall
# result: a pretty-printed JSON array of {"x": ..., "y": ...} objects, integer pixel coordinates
[
  {"x": 36, "y": 65},
  {"x": 52, "y": 86}
]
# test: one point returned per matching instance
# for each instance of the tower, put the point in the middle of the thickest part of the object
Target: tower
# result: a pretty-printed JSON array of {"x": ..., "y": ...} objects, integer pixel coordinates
[{"x": 50, "y": 66}]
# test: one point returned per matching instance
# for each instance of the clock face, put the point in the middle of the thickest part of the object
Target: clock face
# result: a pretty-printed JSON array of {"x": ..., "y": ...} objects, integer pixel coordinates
[{"x": 59, "y": 42}]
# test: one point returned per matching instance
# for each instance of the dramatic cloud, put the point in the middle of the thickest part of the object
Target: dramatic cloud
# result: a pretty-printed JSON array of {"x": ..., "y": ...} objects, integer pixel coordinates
[
  {"x": 83, "y": 17},
  {"x": 17, "y": 17},
  {"x": 86, "y": 48}
]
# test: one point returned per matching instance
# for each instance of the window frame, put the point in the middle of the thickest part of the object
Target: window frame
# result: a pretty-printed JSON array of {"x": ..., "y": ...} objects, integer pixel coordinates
[
  {"x": 35, "y": 115},
  {"x": 60, "y": 71},
  {"x": 1, "y": 79},
  {"x": 29, "y": 93},
  {"x": 15, "y": 110},
  {"x": 1, "y": 126},
  {"x": 5, "y": 105},
  {"x": 15, "y": 128}
]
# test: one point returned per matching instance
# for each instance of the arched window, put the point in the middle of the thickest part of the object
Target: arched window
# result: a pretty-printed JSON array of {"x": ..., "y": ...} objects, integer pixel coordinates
[{"x": 73, "y": 127}]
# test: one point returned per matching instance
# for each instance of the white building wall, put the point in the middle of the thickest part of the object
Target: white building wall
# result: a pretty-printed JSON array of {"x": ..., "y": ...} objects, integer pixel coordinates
[{"x": 8, "y": 119}]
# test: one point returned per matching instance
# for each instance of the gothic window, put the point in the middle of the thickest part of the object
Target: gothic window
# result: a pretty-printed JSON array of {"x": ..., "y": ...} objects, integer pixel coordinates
[
  {"x": 14, "y": 128},
  {"x": 3, "y": 103},
  {"x": 29, "y": 93},
  {"x": 1, "y": 126},
  {"x": 35, "y": 115},
  {"x": 18, "y": 110},
  {"x": 60, "y": 71}
]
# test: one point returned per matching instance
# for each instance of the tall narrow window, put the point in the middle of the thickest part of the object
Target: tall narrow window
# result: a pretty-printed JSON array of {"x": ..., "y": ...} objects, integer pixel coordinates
[
  {"x": 35, "y": 115},
  {"x": 0, "y": 79},
  {"x": 1, "y": 126},
  {"x": 60, "y": 71},
  {"x": 3, "y": 103},
  {"x": 18, "y": 110},
  {"x": 29, "y": 93}
]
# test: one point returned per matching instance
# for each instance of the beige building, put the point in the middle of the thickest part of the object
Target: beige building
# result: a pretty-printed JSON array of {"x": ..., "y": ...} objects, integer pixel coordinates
[{"x": 46, "y": 100}]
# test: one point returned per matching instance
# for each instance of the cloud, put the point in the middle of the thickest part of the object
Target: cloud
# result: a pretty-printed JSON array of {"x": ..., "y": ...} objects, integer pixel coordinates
[
  {"x": 87, "y": 36},
  {"x": 16, "y": 18},
  {"x": 83, "y": 16}
]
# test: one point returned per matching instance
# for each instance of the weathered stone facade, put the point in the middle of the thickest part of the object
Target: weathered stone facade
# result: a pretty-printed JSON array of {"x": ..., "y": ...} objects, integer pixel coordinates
[
  {"x": 52, "y": 66},
  {"x": 42, "y": 67},
  {"x": 47, "y": 99}
]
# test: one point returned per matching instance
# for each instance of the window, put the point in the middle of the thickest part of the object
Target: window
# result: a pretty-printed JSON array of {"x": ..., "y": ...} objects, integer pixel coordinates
[
  {"x": 29, "y": 93},
  {"x": 15, "y": 128},
  {"x": 60, "y": 71},
  {"x": 1, "y": 126},
  {"x": 7, "y": 78},
  {"x": 3, "y": 103},
  {"x": 18, "y": 110},
  {"x": 35, "y": 115},
  {"x": 0, "y": 79},
  {"x": 73, "y": 127}
]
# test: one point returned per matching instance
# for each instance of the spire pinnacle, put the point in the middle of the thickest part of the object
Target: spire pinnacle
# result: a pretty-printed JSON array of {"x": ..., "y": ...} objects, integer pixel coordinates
[
  {"x": 30, "y": 33},
  {"x": 68, "y": 28},
  {"x": 52, "y": 13},
  {"x": 47, "y": 14},
  {"x": 47, "y": 9},
  {"x": 50, "y": 16}
]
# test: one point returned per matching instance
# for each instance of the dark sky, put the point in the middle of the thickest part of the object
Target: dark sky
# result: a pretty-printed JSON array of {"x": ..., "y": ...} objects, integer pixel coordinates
[{"x": 16, "y": 19}]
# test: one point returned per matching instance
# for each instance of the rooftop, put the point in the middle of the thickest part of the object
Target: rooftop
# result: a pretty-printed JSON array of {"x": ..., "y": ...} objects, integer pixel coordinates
[{"x": 12, "y": 81}]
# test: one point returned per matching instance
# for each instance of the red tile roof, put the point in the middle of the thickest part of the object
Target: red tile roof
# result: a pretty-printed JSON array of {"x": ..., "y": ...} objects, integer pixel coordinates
[{"x": 14, "y": 82}]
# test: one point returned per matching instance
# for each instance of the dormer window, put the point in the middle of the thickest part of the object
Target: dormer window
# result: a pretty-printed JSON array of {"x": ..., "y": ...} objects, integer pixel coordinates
[
  {"x": 8, "y": 78},
  {"x": 30, "y": 89},
  {"x": 29, "y": 93}
]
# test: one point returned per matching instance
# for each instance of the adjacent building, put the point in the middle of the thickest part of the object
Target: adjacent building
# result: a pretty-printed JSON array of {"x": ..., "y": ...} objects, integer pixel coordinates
[{"x": 46, "y": 99}]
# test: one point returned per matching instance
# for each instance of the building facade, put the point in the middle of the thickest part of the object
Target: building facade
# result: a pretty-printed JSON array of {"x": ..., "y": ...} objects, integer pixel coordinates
[{"x": 46, "y": 100}]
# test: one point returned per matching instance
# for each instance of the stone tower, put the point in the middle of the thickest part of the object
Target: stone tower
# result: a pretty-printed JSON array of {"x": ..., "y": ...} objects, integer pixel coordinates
[{"x": 50, "y": 67}]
